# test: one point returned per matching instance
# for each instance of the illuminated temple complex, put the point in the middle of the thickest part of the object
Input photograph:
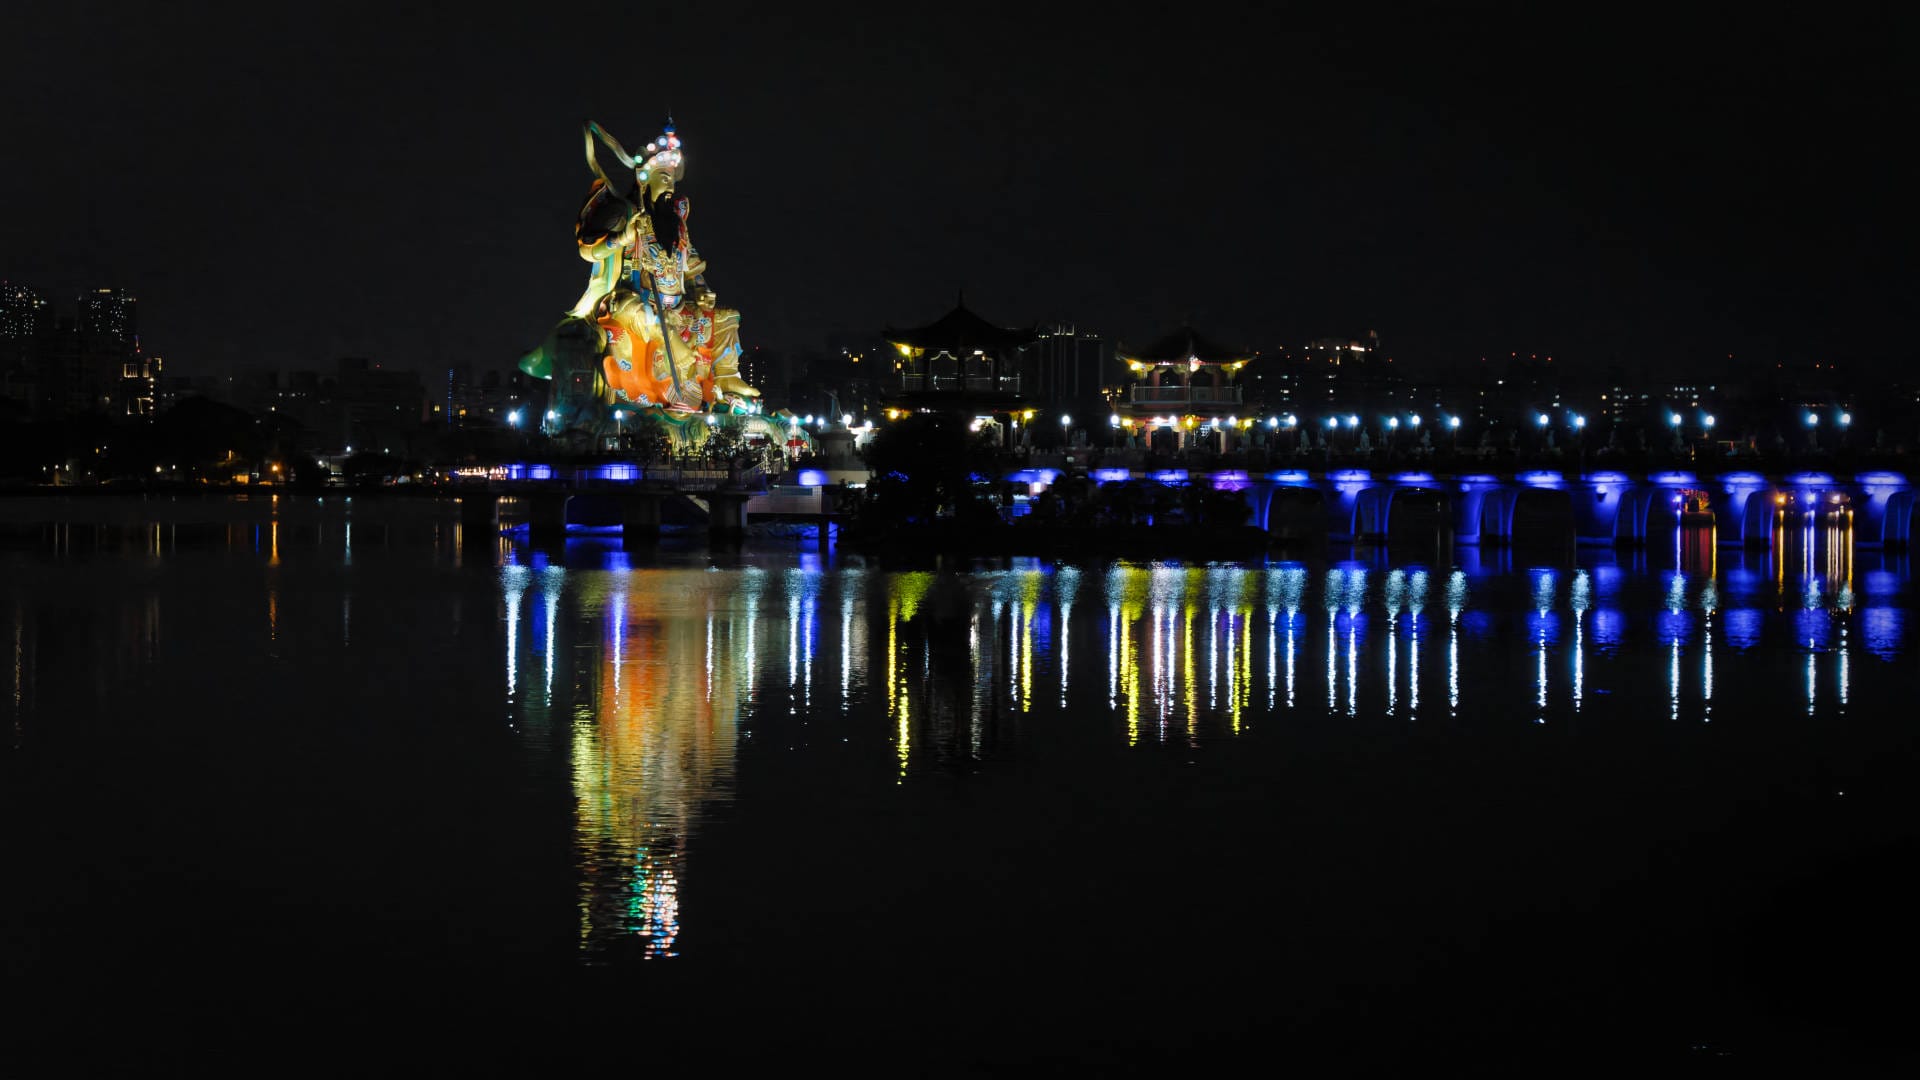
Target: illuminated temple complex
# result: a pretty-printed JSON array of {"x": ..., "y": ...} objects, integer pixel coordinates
[{"x": 1186, "y": 392}]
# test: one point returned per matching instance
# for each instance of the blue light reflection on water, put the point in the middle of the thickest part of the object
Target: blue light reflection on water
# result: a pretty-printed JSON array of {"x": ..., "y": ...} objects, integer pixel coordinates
[
  {"x": 648, "y": 682},
  {"x": 1743, "y": 627}
]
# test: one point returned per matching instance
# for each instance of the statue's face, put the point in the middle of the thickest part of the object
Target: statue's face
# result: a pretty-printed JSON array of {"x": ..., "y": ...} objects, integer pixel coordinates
[{"x": 659, "y": 183}]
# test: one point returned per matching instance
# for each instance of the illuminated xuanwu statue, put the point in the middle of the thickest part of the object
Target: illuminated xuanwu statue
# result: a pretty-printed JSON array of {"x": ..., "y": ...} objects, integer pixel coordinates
[{"x": 648, "y": 333}]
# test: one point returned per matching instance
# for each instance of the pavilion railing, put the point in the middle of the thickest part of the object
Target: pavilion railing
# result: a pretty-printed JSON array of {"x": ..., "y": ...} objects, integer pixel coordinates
[
  {"x": 978, "y": 384},
  {"x": 1180, "y": 395}
]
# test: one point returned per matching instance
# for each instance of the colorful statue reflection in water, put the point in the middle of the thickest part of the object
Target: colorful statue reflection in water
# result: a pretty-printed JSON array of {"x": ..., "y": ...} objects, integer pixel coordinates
[{"x": 648, "y": 332}]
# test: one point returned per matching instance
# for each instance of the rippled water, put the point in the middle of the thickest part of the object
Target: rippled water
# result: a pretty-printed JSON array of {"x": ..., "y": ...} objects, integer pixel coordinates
[{"x": 1421, "y": 801}]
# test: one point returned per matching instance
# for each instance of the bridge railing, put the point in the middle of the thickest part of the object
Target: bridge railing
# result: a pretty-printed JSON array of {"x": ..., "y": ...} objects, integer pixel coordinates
[{"x": 622, "y": 475}]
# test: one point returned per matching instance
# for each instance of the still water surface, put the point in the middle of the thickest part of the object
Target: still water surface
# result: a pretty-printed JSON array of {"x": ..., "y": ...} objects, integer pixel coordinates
[{"x": 1432, "y": 801}]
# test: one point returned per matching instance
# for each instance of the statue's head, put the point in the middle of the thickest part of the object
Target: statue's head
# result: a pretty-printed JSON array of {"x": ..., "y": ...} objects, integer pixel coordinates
[{"x": 660, "y": 164}]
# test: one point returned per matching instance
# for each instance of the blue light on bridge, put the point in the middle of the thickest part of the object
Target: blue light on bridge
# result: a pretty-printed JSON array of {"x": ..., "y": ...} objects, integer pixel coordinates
[
  {"x": 1541, "y": 478},
  {"x": 1810, "y": 479},
  {"x": 539, "y": 472},
  {"x": 1880, "y": 479},
  {"x": 1413, "y": 478},
  {"x": 812, "y": 478},
  {"x": 1170, "y": 476},
  {"x": 1110, "y": 476},
  {"x": 1230, "y": 480},
  {"x": 1674, "y": 479},
  {"x": 1349, "y": 476},
  {"x": 1607, "y": 477},
  {"x": 1480, "y": 478},
  {"x": 1290, "y": 476},
  {"x": 617, "y": 470}
]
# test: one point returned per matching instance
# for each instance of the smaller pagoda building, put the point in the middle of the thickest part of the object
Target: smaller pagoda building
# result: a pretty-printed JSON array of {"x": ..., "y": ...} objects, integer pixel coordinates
[
  {"x": 1185, "y": 392},
  {"x": 964, "y": 365}
]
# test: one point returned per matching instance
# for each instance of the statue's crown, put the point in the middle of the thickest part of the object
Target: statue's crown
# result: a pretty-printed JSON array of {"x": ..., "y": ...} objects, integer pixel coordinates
[{"x": 662, "y": 155}]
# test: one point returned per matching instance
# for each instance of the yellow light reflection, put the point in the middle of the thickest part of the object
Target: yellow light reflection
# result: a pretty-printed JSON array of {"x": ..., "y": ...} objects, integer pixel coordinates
[{"x": 652, "y": 743}]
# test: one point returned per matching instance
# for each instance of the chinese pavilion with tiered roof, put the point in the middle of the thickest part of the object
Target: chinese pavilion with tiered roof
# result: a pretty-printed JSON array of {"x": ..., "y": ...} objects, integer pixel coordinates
[
  {"x": 1186, "y": 386},
  {"x": 962, "y": 364}
]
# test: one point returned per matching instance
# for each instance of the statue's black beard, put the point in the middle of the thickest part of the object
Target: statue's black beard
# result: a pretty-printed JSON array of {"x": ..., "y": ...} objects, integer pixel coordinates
[{"x": 666, "y": 223}]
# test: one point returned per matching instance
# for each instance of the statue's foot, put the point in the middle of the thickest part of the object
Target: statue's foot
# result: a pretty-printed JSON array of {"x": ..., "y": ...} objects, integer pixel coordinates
[{"x": 734, "y": 384}]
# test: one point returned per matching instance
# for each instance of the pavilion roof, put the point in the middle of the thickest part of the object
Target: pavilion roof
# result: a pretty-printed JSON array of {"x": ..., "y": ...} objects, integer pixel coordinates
[
  {"x": 961, "y": 331},
  {"x": 1182, "y": 346}
]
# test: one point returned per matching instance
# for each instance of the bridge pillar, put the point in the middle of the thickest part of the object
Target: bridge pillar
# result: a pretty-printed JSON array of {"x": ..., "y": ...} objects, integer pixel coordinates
[
  {"x": 1742, "y": 506},
  {"x": 480, "y": 513},
  {"x": 1603, "y": 509},
  {"x": 547, "y": 517},
  {"x": 727, "y": 514},
  {"x": 1883, "y": 510},
  {"x": 639, "y": 520},
  {"x": 1496, "y": 506},
  {"x": 1897, "y": 521}
]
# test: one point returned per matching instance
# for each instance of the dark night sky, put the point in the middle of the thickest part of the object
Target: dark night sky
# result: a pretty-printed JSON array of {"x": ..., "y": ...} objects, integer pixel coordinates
[{"x": 283, "y": 187}]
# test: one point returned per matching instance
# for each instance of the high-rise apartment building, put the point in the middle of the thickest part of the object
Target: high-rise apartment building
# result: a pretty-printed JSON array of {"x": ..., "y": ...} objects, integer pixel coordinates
[
  {"x": 24, "y": 313},
  {"x": 110, "y": 315}
]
